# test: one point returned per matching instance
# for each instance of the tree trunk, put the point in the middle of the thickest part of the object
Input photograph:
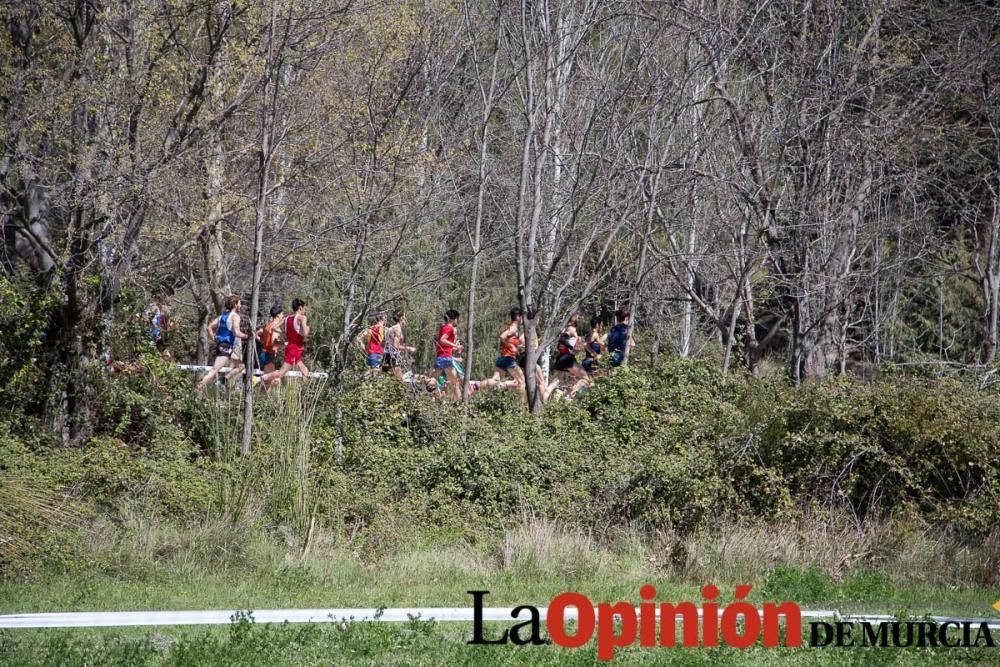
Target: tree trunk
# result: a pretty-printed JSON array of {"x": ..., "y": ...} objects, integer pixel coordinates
[
  {"x": 476, "y": 241},
  {"x": 267, "y": 117},
  {"x": 991, "y": 277},
  {"x": 214, "y": 285},
  {"x": 640, "y": 272}
]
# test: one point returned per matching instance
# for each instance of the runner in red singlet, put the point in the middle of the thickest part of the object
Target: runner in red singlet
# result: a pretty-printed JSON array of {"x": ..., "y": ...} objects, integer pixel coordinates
[
  {"x": 296, "y": 329},
  {"x": 447, "y": 346}
]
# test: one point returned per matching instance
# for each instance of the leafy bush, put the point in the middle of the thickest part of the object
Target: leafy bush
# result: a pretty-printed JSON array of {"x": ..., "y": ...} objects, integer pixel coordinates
[
  {"x": 881, "y": 446},
  {"x": 679, "y": 448},
  {"x": 24, "y": 352},
  {"x": 150, "y": 433}
]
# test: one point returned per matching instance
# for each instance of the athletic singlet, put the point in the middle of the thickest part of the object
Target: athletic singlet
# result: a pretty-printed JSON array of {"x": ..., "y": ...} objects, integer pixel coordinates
[
  {"x": 292, "y": 334},
  {"x": 390, "y": 341},
  {"x": 508, "y": 348},
  {"x": 375, "y": 338},
  {"x": 447, "y": 331},
  {"x": 224, "y": 334},
  {"x": 567, "y": 343},
  {"x": 268, "y": 338}
]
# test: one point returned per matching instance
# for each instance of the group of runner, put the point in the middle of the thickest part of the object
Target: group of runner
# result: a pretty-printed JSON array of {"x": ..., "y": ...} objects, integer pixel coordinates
[
  {"x": 279, "y": 334},
  {"x": 384, "y": 347},
  {"x": 567, "y": 367}
]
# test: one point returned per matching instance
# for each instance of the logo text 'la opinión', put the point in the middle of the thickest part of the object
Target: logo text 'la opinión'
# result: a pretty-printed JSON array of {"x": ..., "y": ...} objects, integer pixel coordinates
[{"x": 738, "y": 624}]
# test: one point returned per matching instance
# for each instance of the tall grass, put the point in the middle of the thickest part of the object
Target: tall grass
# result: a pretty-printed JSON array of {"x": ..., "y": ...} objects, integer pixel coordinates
[
  {"x": 928, "y": 554},
  {"x": 274, "y": 482},
  {"x": 28, "y": 515},
  {"x": 540, "y": 551},
  {"x": 918, "y": 554}
]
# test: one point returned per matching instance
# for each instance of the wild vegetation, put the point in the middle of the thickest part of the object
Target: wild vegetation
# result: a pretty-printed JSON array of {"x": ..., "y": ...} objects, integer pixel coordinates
[
  {"x": 842, "y": 494},
  {"x": 675, "y": 451}
]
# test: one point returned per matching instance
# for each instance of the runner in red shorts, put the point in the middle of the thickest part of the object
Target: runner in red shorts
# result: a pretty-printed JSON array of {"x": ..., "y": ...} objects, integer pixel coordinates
[{"x": 296, "y": 330}]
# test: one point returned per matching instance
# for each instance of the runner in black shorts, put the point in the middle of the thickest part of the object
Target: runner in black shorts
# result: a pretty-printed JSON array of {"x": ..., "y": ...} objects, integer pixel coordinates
[
  {"x": 510, "y": 345},
  {"x": 594, "y": 347},
  {"x": 566, "y": 363},
  {"x": 395, "y": 346}
]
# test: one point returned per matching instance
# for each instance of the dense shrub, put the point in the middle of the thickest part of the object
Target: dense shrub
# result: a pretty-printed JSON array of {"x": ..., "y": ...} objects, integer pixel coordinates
[
  {"x": 932, "y": 443},
  {"x": 25, "y": 354},
  {"x": 678, "y": 447},
  {"x": 150, "y": 434},
  {"x": 681, "y": 446}
]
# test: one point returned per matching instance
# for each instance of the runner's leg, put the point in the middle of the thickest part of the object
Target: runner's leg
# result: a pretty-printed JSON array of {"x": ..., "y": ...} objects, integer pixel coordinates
[
  {"x": 543, "y": 391},
  {"x": 278, "y": 374},
  {"x": 236, "y": 369},
  {"x": 581, "y": 379},
  {"x": 517, "y": 374},
  {"x": 452, "y": 387},
  {"x": 218, "y": 365}
]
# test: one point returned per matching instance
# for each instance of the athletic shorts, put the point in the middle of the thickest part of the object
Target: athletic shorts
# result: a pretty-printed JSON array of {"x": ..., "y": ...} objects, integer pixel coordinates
[
  {"x": 617, "y": 357},
  {"x": 374, "y": 360},
  {"x": 223, "y": 350},
  {"x": 265, "y": 358},
  {"x": 390, "y": 361},
  {"x": 293, "y": 354},
  {"x": 444, "y": 362},
  {"x": 590, "y": 365},
  {"x": 506, "y": 363},
  {"x": 565, "y": 362}
]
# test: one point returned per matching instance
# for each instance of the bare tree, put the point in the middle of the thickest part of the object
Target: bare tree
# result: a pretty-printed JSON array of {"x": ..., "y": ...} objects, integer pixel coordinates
[{"x": 487, "y": 86}]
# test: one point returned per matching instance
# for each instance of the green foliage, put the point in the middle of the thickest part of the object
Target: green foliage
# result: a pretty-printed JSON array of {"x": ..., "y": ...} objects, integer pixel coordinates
[
  {"x": 881, "y": 446},
  {"x": 417, "y": 642},
  {"x": 941, "y": 316},
  {"x": 115, "y": 478},
  {"x": 867, "y": 587},
  {"x": 802, "y": 585},
  {"x": 151, "y": 406},
  {"x": 150, "y": 431},
  {"x": 24, "y": 353},
  {"x": 678, "y": 448}
]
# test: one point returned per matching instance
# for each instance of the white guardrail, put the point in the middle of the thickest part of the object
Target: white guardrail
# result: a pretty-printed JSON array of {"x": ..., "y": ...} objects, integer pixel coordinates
[
  {"x": 297, "y": 374},
  {"x": 93, "y": 619}
]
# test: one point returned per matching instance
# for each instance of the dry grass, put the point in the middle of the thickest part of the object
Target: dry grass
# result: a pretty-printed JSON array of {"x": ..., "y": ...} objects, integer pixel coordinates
[
  {"x": 536, "y": 548},
  {"x": 903, "y": 552},
  {"x": 28, "y": 515},
  {"x": 140, "y": 545}
]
